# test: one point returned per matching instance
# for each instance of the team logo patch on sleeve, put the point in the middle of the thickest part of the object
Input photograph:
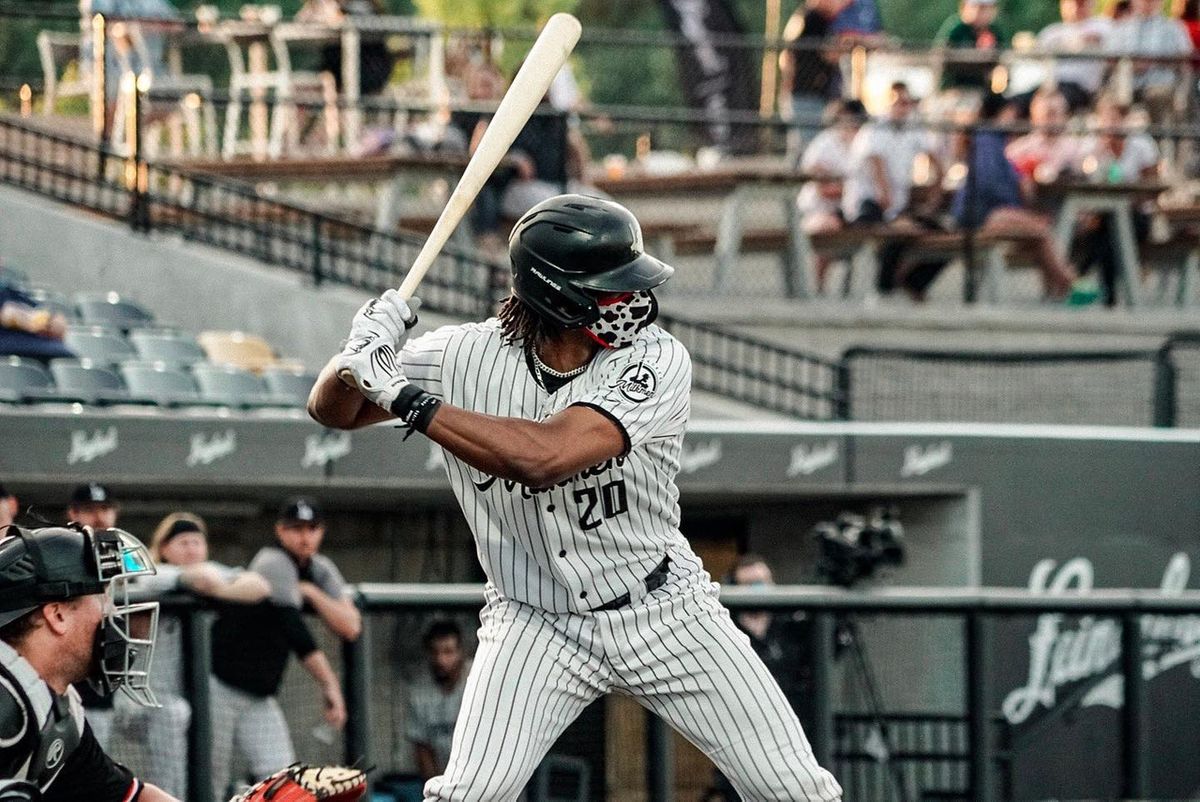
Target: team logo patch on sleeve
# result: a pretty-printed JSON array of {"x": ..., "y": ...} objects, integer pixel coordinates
[{"x": 637, "y": 382}]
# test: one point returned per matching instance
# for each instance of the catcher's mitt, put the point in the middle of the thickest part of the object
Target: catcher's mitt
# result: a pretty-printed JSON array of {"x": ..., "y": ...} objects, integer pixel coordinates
[{"x": 301, "y": 783}]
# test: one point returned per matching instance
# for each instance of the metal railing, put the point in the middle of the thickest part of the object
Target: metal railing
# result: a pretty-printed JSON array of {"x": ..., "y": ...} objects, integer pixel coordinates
[{"x": 975, "y": 608}]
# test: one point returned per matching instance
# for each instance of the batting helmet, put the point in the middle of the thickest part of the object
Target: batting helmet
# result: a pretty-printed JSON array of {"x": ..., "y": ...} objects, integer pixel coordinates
[{"x": 570, "y": 249}]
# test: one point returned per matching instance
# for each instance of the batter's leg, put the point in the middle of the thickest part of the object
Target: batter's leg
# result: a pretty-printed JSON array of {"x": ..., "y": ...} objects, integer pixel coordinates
[
  {"x": 533, "y": 674},
  {"x": 682, "y": 656}
]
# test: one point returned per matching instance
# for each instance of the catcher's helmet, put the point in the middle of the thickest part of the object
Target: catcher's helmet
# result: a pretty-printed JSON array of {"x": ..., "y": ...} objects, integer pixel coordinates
[{"x": 570, "y": 249}]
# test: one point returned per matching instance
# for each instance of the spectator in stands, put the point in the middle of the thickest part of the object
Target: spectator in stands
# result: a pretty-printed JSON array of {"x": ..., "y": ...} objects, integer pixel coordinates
[
  {"x": 375, "y": 61},
  {"x": 435, "y": 696},
  {"x": 973, "y": 28},
  {"x": 28, "y": 330},
  {"x": 860, "y": 20},
  {"x": 810, "y": 76},
  {"x": 1121, "y": 10},
  {"x": 826, "y": 158},
  {"x": 1147, "y": 32},
  {"x": 1080, "y": 31},
  {"x": 879, "y": 177},
  {"x": 1115, "y": 153},
  {"x": 1188, "y": 13},
  {"x": 1047, "y": 151},
  {"x": 781, "y": 640},
  {"x": 153, "y": 741},
  {"x": 250, "y": 646},
  {"x": 991, "y": 202},
  {"x": 93, "y": 505},
  {"x": 9, "y": 507}
]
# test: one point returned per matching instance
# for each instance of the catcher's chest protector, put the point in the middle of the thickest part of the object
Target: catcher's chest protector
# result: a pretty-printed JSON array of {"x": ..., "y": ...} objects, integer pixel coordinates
[{"x": 38, "y": 729}]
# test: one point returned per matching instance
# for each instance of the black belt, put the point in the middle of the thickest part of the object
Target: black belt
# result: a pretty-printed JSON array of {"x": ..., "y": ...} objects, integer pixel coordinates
[{"x": 654, "y": 580}]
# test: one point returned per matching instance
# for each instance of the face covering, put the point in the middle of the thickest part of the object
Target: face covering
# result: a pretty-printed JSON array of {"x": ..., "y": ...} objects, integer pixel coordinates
[{"x": 621, "y": 320}]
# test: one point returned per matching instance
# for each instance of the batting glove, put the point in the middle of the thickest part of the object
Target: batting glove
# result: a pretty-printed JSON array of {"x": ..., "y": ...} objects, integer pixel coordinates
[
  {"x": 375, "y": 367},
  {"x": 387, "y": 318}
]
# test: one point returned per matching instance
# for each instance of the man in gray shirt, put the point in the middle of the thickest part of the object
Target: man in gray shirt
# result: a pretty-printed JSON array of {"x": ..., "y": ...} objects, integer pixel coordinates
[
  {"x": 435, "y": 696},
  {"x": 251, "y": 645}
]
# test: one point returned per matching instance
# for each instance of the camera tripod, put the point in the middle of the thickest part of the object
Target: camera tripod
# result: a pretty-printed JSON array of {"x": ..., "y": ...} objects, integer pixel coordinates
[{"x": 848, "y": 640}]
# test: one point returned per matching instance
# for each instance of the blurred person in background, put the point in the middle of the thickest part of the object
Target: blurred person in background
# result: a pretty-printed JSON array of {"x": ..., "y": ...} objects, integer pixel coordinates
[
  {"x": 251, "y": 645},
  {"x": 27, "y": 329},
  {"x": 1188, "y": 13},
  {"x": 1049, "y": 150},
  {"x": 810, "y": 76},
  {"x": 1080, "y": 31},
  {"x": 375, "y": 61},
  {"x": 974, "y": 27},
  {"x": 435, "y": 696},
  {"x": 859, "y": 21},
  {"x": 879, "y": 175},
  {"x": 1147, "y": 32},
  {"x": 154, "y": 741},
  {"x": 826, "y": 159},
  {"x": 990, "y": 199},
  {"x": 9, "y": 506},
  {"x": 1115, "y": 153},
  {"x": 93, "y": 505}
]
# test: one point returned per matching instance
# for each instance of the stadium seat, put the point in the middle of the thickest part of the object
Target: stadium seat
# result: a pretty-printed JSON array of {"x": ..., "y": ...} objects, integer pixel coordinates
[
  {"x": 93, "y": 383},
  {"x": 237, "y": 348},
  {"x": 100, "y": 345},
  {"x": 24, "y": 380},
  {"x": 113, "y": 311},
  {"x": 290, "y": 385},
  {"x": 230, "y": 386},
  {"x": 172, "y": 347},
  {"x": 160, "y": 383},
  {"x": 53, "y": 301}
]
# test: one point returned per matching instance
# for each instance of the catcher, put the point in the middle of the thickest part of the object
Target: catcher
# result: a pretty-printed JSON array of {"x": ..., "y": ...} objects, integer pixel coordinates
[{"x": 64, "y": 618}]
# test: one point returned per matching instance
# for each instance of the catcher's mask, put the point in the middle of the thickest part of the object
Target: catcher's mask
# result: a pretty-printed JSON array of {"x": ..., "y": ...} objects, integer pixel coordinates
[
  {"x": 59, "y": 563},
  {"x": 570, "y": 252}
]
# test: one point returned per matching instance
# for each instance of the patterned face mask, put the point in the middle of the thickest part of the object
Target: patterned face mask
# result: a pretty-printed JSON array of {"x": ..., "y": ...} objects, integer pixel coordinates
[{"x": 622, "y": 317}]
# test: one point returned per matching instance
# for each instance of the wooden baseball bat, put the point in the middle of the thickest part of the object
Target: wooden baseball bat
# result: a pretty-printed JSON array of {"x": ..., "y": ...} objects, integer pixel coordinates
[{"x": 545, "y": 59}]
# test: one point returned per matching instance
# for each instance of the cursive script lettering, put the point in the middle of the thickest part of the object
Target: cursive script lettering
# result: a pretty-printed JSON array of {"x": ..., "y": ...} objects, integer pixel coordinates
[
  {"x": 1060, "y": 654},
  {"x": 207, "y": 449},
  {"x": 702, "y": 455},
  {"x": 88, "y": 446},
  {"x": 322, "y": 449},
  {"x": 511, "y": 486},
  {"x": 807, "y": 460},
  {"x": 920, "y": 461}
]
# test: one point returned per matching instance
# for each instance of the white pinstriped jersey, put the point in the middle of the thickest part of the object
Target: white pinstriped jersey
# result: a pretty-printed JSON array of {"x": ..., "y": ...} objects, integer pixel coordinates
[{"x": 593, "y": 537}]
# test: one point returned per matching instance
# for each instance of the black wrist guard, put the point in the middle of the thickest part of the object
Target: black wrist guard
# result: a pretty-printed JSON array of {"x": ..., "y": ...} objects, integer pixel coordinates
[{"x": 415, "y": 407}]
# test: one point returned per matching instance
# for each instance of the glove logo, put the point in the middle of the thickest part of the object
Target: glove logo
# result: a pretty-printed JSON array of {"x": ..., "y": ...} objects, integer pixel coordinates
[
  {"x": 637, "y": 383},
  {"x": 54, "y": 754}
]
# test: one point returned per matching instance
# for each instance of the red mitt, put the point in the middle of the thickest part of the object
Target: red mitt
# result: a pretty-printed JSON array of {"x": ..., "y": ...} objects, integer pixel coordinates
[{"x": 302, "y": 783}]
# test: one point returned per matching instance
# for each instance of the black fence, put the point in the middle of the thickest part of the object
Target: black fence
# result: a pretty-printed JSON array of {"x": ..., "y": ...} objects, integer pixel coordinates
[{"x": 1132, "y": 387}]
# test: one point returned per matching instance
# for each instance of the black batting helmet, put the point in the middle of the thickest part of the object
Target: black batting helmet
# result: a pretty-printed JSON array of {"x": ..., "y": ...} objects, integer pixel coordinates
[{"x": 570, "y": 249}]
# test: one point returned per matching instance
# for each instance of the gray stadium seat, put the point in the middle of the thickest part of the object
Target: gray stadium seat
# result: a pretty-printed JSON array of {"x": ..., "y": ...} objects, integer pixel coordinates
[
  {"x": 25, "y": 380},
  {"x": 288, "y": 386},
  {"x": 172, "y": 347},
  {"x": 96, "y": 384},
  {"x": 102, "y": 346},
  {"x": 160, "y": 383},
  {"x": 230, "y": 386},
  {"x": 113, "y": 311}
]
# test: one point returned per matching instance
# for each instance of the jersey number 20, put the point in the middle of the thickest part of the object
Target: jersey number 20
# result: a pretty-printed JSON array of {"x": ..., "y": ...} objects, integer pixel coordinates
[{"x": 612, "y": 502}]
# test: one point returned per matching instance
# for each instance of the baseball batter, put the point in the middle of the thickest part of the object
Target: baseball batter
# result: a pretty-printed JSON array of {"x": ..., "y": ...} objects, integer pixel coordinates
[{"x": 562, "y": 421}]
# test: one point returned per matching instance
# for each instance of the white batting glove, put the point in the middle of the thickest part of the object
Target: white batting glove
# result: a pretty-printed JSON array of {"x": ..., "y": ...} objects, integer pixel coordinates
[
  {"x": 387, "y": 318},
  {"x": 375, "y": 367}
]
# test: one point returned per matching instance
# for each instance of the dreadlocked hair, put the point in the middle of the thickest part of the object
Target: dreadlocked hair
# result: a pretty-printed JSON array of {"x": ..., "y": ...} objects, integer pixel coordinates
[{"x": 520, "y": 325}]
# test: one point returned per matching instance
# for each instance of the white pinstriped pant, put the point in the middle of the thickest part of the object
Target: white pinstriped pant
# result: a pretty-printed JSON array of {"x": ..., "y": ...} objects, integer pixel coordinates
[{"x": 677, "y": 652}]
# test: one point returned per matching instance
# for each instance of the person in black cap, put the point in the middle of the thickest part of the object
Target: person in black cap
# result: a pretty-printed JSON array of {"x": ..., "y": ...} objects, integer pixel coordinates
[
  {"x": 93, "y": 505},
  {"x": 250, "y": 645},
  {"x": 63, "y": 620}
]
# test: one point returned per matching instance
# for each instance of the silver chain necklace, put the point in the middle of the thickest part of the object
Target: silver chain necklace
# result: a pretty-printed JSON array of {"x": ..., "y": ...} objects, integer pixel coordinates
[{"x": 551, "y": 372}]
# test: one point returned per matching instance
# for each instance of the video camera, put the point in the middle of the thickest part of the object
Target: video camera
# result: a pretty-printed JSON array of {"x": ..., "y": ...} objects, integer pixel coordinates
[{"x": 854, "y": 547}]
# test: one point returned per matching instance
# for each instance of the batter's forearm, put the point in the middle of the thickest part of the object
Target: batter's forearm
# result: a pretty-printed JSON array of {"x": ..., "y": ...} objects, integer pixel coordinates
[{"x": 335, "y": 404}]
